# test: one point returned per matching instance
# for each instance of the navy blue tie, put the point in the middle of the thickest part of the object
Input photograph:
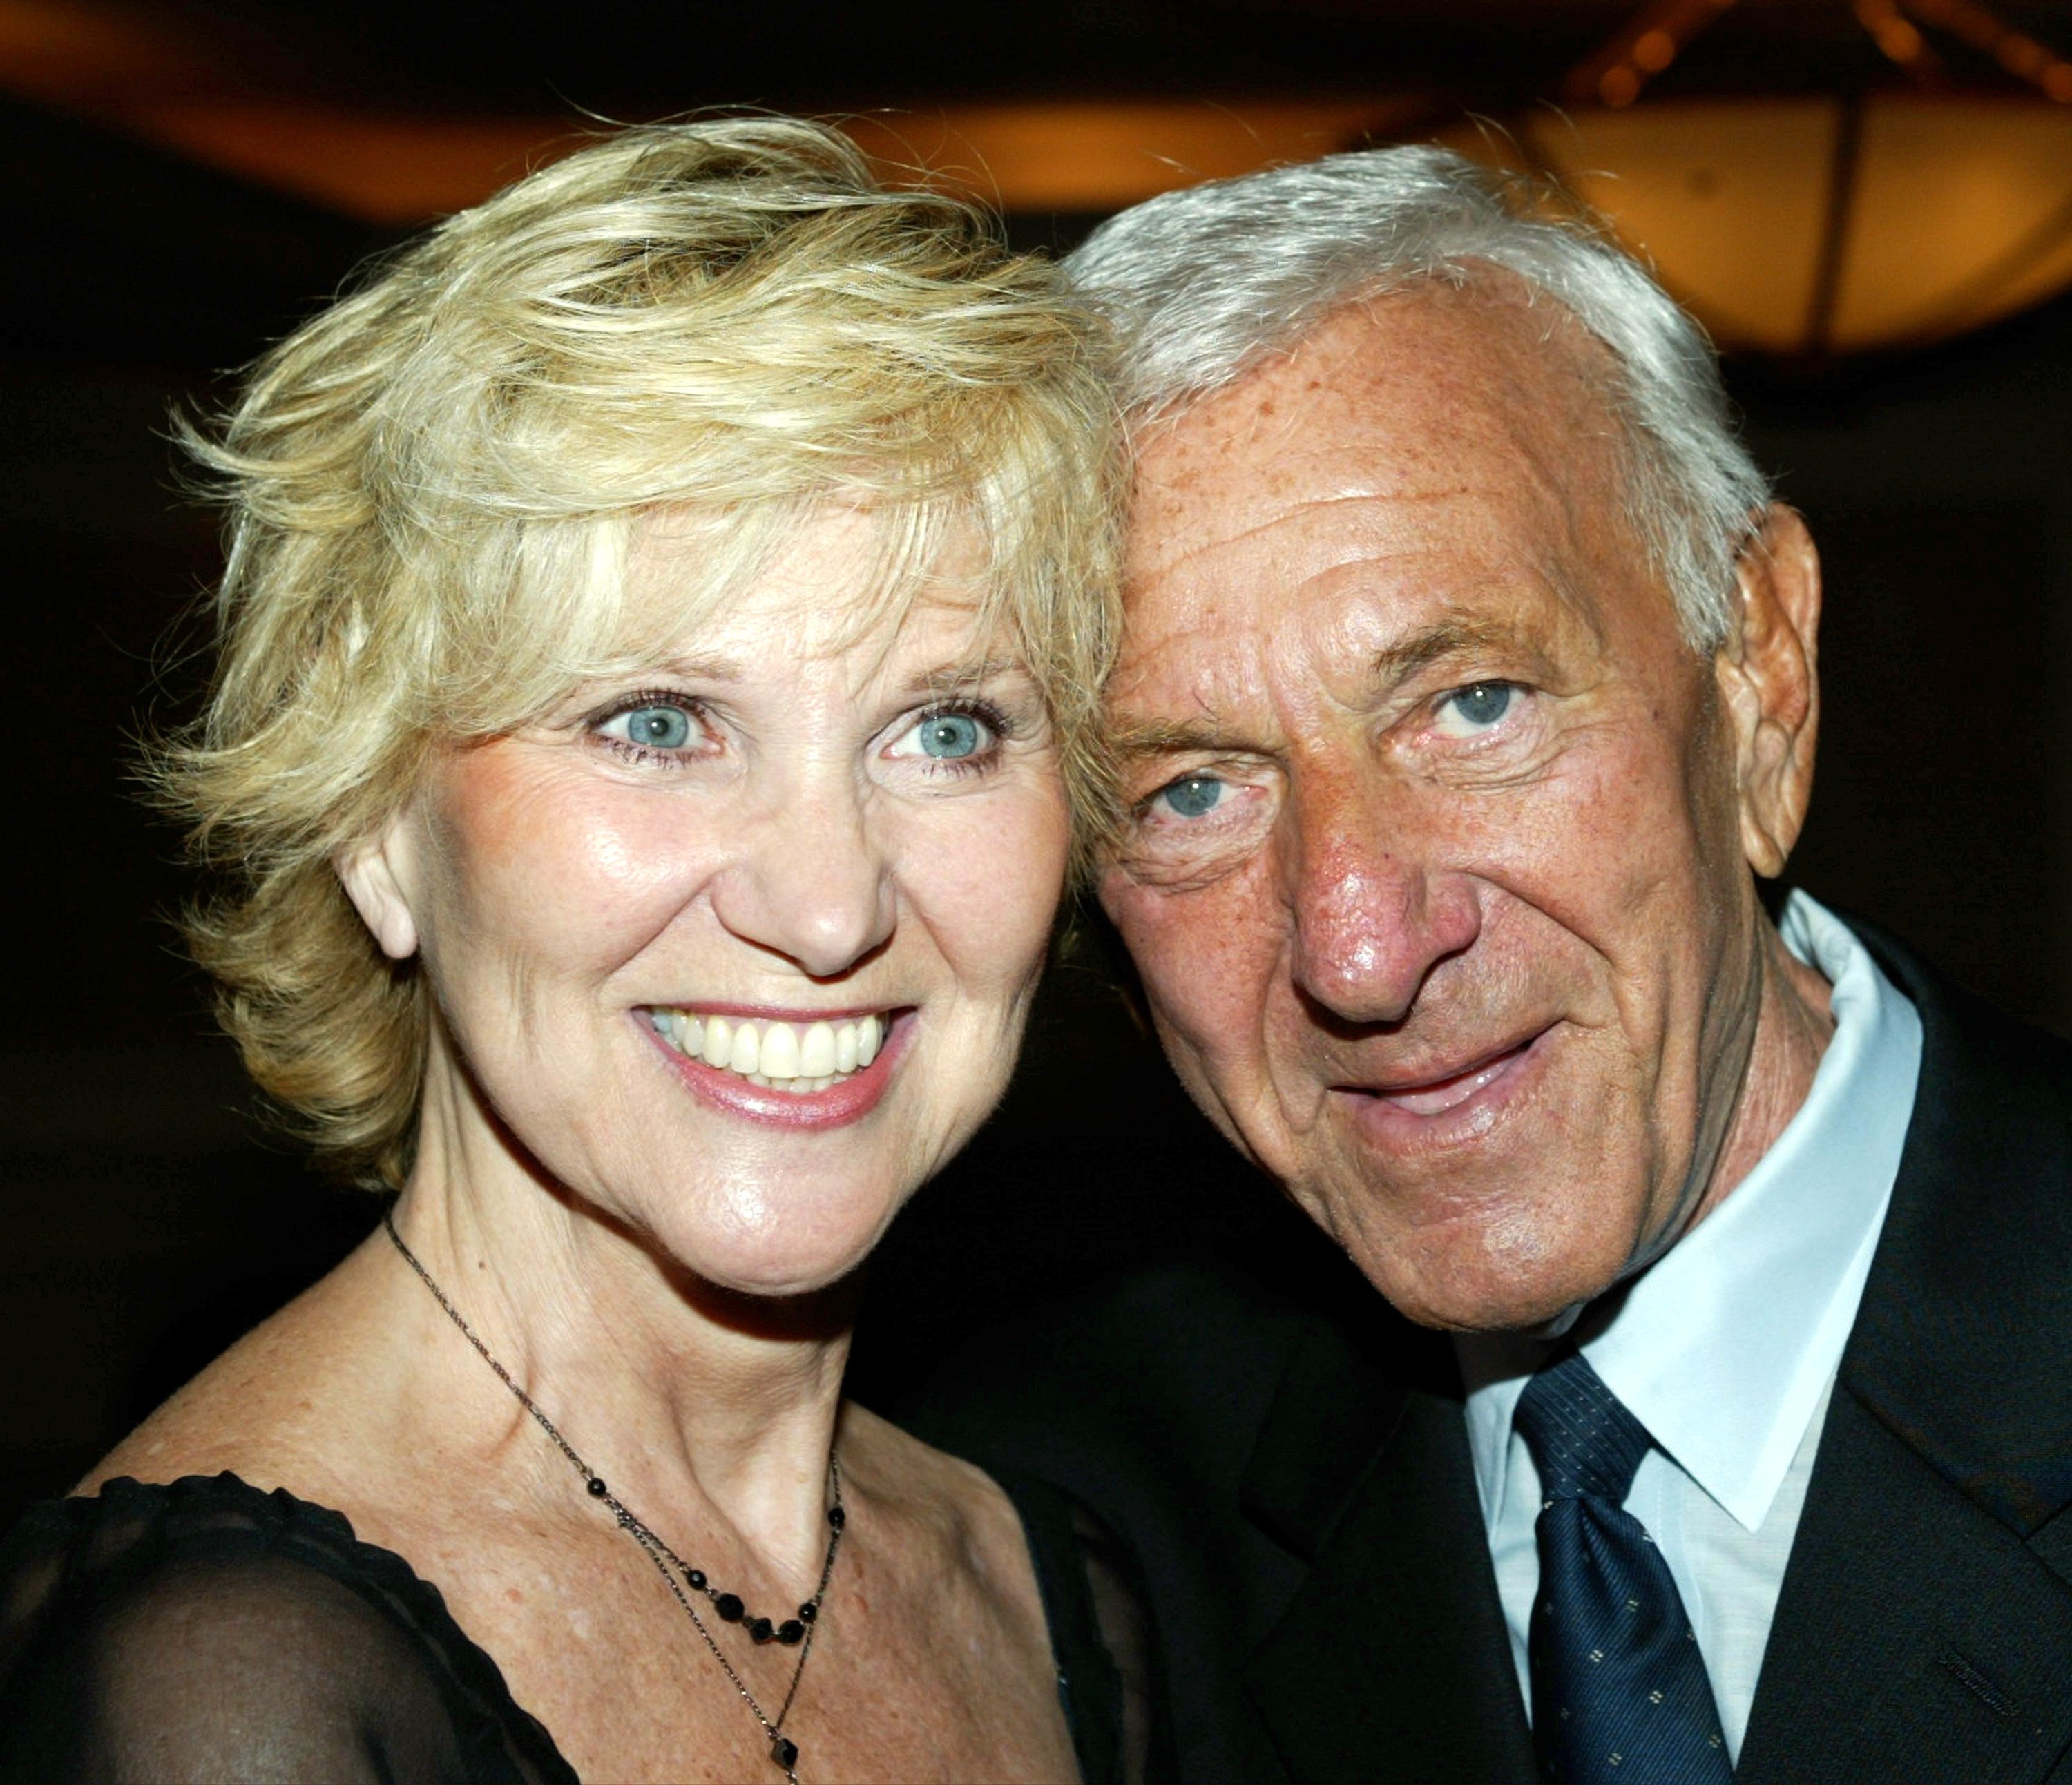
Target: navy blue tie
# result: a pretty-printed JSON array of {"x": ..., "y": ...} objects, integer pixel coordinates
[{"x": 1619, "y": 1691}]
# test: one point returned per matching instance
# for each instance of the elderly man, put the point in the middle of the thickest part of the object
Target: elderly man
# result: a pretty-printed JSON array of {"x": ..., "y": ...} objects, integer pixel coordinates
[{"x": 1469, "y": 687}]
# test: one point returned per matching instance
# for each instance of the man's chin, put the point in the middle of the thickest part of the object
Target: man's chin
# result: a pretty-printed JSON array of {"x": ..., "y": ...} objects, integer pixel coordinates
[{"x": 1543, "y": 1303}]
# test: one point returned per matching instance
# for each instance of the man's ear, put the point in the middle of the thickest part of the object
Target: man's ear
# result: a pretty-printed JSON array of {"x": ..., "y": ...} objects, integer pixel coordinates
[
  {"x": 374, "y": 873},
  {"x": 1767, "y": 675}
]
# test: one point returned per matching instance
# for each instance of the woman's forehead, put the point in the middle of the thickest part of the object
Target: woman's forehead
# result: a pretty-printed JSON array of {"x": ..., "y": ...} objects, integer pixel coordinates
[
  {"x": 836, "y": 577},
  {"x": 923, "y": 640},
  {"x": 853, "y": 541}
]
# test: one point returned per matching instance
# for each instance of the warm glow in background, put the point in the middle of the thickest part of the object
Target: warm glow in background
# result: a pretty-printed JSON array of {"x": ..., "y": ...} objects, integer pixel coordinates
[{"x": 1792, "y": 224}]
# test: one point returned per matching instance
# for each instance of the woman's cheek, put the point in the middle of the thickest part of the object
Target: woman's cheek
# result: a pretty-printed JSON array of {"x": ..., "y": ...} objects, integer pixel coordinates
[{"x": 989, "y": 879}]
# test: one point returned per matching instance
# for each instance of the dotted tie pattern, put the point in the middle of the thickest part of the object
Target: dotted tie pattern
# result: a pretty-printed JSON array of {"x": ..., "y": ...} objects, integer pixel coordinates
[{"x": 1619, "y": 1691}]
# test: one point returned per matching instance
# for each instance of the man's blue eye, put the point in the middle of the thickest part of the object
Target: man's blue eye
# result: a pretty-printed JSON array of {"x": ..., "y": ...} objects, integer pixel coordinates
[
  {"x": 1484, "y": 703},
  {"x": 659, "y": 728},
  {"x": 951, "y": 736},
  {"x": 1192, "y": 796}
]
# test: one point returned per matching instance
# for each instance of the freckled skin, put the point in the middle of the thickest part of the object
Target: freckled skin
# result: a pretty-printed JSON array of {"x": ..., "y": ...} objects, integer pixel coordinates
[{"x": 1423, "y": 498}]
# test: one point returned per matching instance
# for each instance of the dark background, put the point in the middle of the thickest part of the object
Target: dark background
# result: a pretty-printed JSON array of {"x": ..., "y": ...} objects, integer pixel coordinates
[{"x": 147, "y": 1221}]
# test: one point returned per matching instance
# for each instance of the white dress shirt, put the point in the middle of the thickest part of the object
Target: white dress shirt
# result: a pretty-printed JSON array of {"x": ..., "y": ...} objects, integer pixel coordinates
[{"x": 1726, "y": 1347}]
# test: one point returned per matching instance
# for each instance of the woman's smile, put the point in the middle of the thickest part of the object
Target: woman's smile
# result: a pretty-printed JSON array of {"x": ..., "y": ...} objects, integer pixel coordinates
[
  {"x": 802, "y": 1073},
  {"x": 801, "y": 1056},
  {"x": 809, "y": 881}
]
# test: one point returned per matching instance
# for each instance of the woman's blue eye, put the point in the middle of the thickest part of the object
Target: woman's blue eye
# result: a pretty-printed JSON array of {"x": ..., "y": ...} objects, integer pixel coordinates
[
  {"x": 1484, "y": 703},
  {"x": 659, "y": 728},
  {"x": 950, "y": 737},
  {"x": 1192, "y": 796}
]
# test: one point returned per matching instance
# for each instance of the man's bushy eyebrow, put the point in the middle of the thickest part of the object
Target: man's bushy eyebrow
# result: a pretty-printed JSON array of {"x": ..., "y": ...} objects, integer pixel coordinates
[
  {"x": 1169, "y": 737},
  {"x": 1389, "y": 667},
  {"x": 1398, "y": 663}
]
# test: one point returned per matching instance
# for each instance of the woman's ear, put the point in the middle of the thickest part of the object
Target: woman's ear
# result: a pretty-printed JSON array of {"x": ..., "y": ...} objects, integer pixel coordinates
[
  {"x": 374, "y": 875},
  {"x": 1767, "y": 674}
]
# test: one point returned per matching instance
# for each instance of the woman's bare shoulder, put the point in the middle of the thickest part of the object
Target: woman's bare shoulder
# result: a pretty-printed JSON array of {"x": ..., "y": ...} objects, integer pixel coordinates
[
  {"x": 924, "y": 1481},
  {"x": 279, "y": 1409},
  {"x": 950, "y": 1507}
]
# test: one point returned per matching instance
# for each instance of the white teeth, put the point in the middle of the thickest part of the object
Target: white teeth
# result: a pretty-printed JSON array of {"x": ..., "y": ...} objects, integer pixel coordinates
[
  {"x": 816, "y": 1051},
  {"x": 780, "y": 1050},
  {"x": 799, "y": 1087},
  {"x": 747, "y": 1055},
  {"x": 775, "y": 1054}
]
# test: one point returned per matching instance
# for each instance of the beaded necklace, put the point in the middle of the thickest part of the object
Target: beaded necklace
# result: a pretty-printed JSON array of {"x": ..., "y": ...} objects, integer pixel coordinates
[{"x": 793, "y": 1632}]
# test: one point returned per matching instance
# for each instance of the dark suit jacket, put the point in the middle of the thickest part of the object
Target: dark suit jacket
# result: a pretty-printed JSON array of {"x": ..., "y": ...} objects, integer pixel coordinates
[{"x": 1290, "y": 1461}]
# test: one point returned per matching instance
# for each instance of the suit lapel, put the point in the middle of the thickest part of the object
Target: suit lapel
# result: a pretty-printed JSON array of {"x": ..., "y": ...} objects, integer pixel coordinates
[
  {"x": 1917, "y": 1636},
  {"x": 1391, "y": 1662},
  {"x": 1925, "y": 1626}
]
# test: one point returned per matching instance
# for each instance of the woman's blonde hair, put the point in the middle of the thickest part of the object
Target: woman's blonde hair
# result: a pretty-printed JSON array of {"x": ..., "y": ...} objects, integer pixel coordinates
[{"x": 434, "y": 487}]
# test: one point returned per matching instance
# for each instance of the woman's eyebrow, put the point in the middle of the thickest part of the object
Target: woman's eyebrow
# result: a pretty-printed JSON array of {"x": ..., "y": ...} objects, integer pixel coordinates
[
  {"x": 703, "y": 669},
  {"x": 948, "y": 677}
]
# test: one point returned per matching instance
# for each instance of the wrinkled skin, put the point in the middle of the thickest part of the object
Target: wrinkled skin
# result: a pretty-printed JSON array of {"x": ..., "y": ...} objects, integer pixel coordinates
[{"x": 1439, "y": 870}]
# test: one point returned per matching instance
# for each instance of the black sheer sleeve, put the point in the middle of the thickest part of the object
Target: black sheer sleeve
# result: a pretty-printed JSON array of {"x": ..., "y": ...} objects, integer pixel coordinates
[
  {"x": 207, "y": 1632},
  {"x": 1101, "y": 1637}
]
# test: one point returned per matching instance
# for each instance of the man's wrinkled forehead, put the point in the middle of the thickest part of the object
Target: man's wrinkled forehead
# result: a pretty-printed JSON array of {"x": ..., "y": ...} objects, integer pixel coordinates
[{"x": 1415, "y": 396}]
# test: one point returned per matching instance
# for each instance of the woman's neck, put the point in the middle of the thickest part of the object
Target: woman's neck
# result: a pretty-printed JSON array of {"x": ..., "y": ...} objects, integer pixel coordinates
[{"x": 694, "y": 1402}]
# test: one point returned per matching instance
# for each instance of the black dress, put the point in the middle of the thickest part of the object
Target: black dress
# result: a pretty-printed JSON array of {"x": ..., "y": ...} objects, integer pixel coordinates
[{"x": 206, "y": 1631}]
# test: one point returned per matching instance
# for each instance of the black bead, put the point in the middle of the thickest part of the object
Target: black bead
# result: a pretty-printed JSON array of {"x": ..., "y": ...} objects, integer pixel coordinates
[
  {"x": 596, "y": 1487},
  {"x": 761, "y": 1629},
  {"x": 784, "y": 1751},
  {"x": 696, "y": 1577},
  {"x": 837, "y": 1517},
  {"x": 791, "y": 1632},
  {"x": 730, "y": 1607},
  {"x": 810, "y": 1609}
]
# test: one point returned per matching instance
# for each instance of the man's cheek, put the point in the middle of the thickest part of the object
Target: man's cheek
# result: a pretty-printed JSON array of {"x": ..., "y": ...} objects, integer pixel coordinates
[
  {"x": 1183, "y": 945},
  {"x": 1213, "y": 1042}
]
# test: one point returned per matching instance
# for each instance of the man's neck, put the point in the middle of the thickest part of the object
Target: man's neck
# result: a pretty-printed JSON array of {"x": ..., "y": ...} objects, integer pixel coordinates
[{"x": 1794, "y": 1022}]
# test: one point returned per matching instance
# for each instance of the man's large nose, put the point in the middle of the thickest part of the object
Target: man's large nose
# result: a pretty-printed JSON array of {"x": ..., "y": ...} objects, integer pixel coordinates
[
  {"x": 1376, "y": 907},
  {"x": 810, "y": 880}
]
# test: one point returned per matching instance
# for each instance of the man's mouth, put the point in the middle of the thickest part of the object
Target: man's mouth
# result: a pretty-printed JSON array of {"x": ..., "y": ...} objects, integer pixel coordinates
[
  {"x": 1435, "y": 1096},
  {"x": 800, "y": 1057}
]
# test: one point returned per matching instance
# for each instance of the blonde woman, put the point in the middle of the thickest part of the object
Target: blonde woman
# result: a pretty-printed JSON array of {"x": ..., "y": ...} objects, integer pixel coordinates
[{"x": 651, "y": 734}]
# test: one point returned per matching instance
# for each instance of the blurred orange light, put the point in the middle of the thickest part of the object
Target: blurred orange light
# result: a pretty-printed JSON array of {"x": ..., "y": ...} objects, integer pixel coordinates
[
  {"x": 1618, "y": 85},
  {"x": 2023, "y": 56},
  {"x": 1654, "y": 51},
  {"x": 1960, "y": 210},
  {"x": 1102, "y": 154}
]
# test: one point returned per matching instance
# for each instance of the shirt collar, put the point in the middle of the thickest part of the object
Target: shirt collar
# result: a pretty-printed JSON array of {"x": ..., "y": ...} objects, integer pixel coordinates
[{"x": 1723, "y": 1348}]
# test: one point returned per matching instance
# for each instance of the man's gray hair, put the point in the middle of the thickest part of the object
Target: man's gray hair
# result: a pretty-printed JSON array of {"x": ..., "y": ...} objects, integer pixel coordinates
[{"x": 1202, "y": 282}]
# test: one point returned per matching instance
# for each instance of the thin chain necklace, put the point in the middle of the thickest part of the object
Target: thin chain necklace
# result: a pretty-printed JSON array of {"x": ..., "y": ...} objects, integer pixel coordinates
[{"x": 792, "y": 1632}]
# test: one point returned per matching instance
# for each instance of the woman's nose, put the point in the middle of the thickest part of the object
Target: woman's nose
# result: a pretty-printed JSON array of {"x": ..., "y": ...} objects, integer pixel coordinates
[{"x": 809, "y": 880}]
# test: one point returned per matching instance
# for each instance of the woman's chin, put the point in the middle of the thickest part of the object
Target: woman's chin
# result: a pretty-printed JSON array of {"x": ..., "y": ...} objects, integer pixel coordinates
[
  {"x": 789, "y": 1278},
  {"x": 785, "y": 1259}
]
